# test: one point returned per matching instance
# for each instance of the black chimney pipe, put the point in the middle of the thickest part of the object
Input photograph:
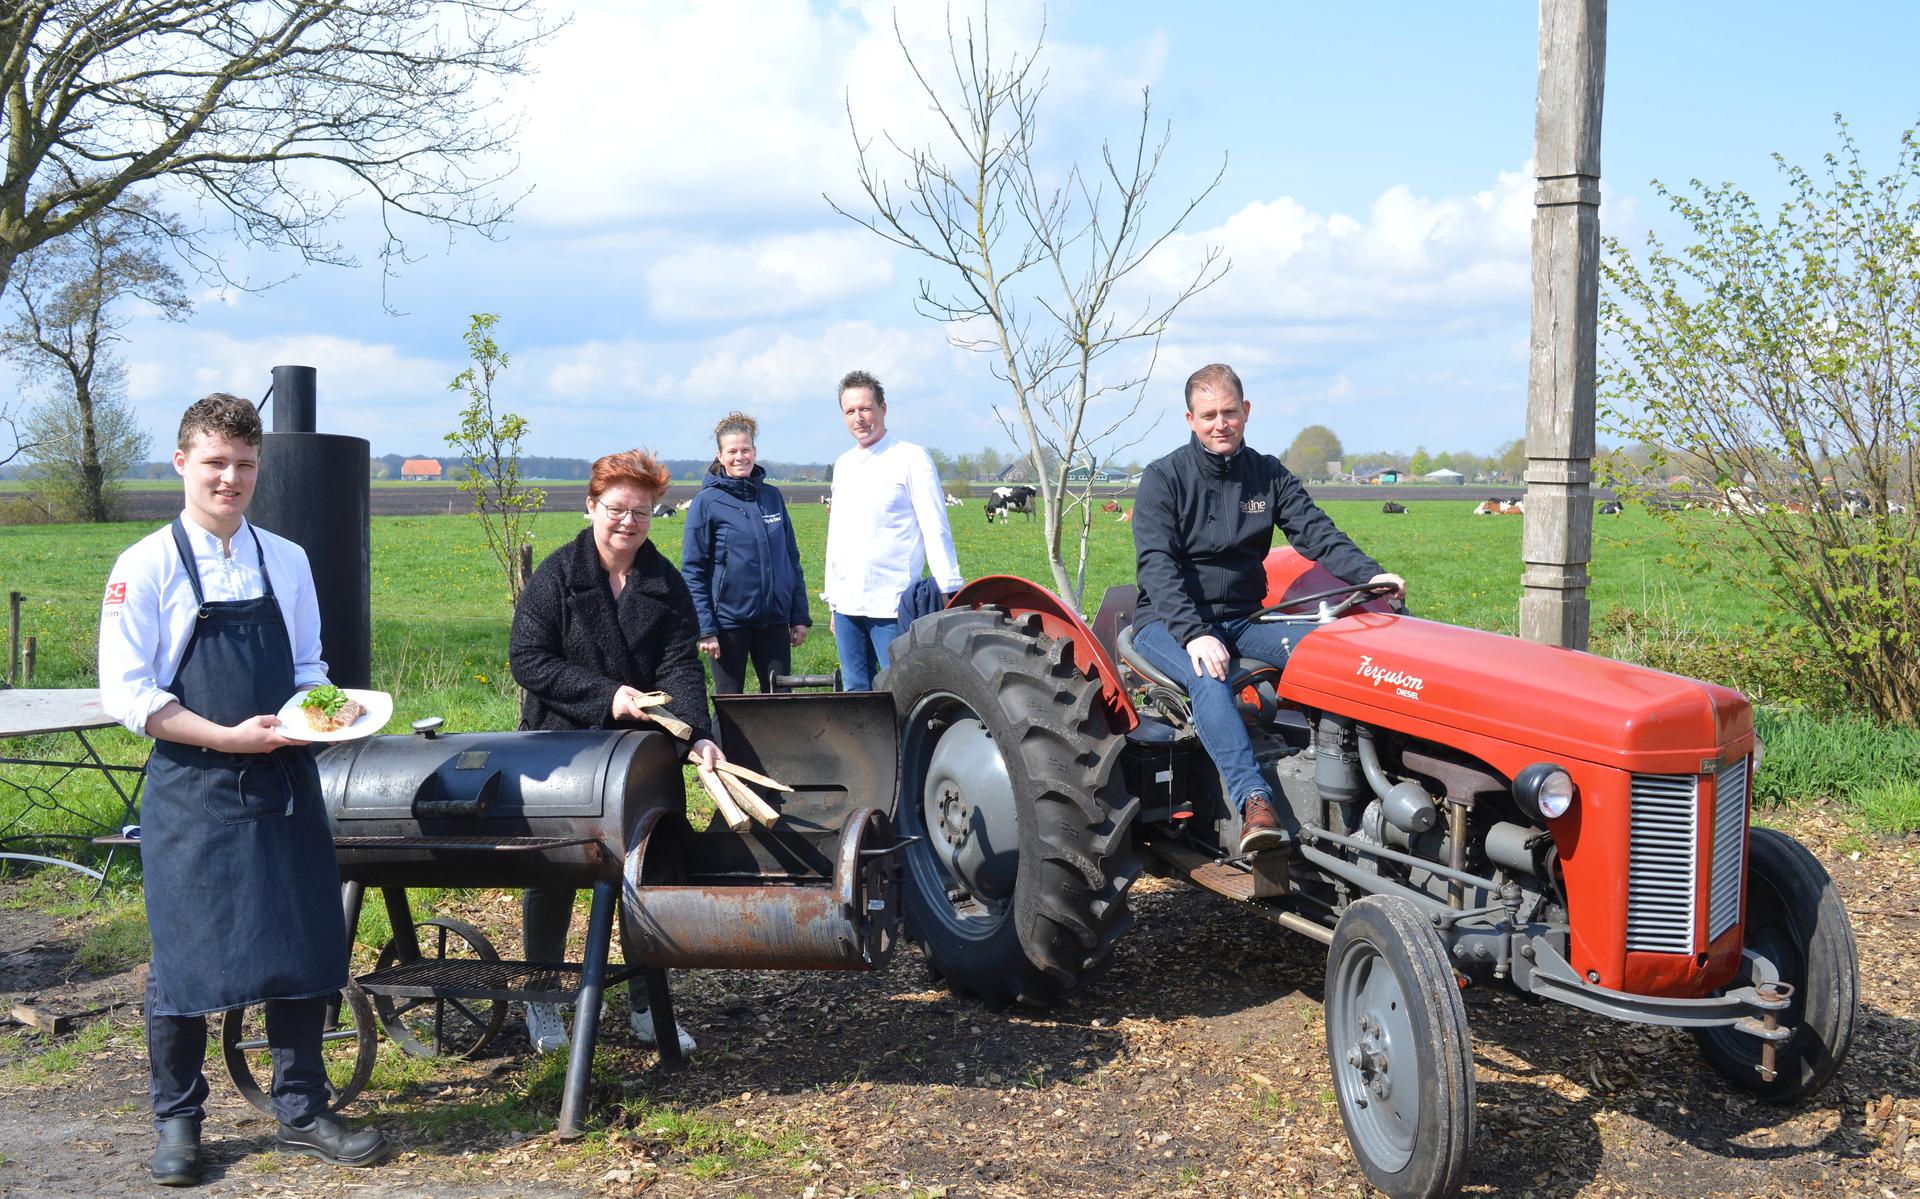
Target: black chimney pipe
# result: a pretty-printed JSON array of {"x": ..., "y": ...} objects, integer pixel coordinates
[
  {"x": 295, "y": 391},
  {"x": 313, "y": 490}
]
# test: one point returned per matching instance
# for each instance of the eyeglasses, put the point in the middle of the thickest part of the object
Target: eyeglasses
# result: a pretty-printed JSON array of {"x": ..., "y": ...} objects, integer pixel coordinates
[{"x": 617, "y": 515}]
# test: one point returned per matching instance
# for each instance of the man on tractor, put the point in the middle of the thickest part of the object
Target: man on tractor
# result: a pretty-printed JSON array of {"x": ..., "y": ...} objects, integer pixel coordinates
[{"x": 1203, "y": 523}]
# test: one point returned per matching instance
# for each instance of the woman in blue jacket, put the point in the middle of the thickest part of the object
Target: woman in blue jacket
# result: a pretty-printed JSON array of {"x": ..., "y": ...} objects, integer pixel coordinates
[{"x": 740, "y": 561}]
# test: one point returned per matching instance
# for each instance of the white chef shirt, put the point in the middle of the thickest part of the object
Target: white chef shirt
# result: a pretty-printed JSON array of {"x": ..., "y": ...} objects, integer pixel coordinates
[
  {"x": 148, "y": 612},
  {"x": 889, "y": 518}
]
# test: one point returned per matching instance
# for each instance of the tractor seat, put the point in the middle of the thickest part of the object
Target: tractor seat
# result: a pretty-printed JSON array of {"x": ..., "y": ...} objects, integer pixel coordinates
[{"x": 1242, "y": 672}]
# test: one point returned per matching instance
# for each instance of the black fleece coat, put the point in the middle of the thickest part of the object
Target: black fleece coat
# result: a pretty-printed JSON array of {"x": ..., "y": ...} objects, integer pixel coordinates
[
  {"x": 573, "y": 645},
  {"x": 1202, "y": 526}
]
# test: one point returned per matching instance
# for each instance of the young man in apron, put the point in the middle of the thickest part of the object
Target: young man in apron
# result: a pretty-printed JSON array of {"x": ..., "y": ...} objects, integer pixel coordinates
[{"x": 208, "y": 627}]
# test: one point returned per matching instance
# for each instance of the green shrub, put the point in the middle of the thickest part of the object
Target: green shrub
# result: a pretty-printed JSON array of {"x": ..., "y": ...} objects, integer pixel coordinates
[{"x": 1772, "y": 664}]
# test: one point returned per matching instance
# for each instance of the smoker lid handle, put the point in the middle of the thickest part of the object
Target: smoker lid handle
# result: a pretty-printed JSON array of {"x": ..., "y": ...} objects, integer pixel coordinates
[{"x": 428, "y": 726}]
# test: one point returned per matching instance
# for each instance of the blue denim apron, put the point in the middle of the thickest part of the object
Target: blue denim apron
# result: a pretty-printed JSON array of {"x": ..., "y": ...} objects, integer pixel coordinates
[{"x": 243, "y": 894}]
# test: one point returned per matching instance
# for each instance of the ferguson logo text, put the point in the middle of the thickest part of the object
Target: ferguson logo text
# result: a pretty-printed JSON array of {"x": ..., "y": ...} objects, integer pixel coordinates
[{"x": 1402, "y": 683}]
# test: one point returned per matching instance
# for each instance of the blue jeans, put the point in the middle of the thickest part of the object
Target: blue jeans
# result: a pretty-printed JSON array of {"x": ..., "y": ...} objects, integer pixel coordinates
[
  {"x": 862, "y": 642},
  {"x": 1215, "y": 716}
]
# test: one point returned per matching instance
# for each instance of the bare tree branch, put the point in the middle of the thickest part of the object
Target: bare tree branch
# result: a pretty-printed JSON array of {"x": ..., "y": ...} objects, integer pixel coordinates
[
  {"x": 253, "y": 106},
  {"x": 1041, "y": 266}
]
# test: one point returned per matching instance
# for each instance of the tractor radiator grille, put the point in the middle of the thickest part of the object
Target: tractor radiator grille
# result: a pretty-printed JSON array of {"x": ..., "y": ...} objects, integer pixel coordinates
[
  {"x": 1729, "y": 847},
  {"x": 1662, "y": 852}
]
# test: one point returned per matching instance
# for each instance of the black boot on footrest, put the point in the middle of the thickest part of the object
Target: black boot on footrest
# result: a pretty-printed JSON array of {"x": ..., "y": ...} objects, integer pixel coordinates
[
  {"x": 333, "y": 1141},
  {"x": 176, "y": 1159}
]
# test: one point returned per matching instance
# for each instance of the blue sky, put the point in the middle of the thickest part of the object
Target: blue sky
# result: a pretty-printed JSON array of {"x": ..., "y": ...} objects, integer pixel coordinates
[{"x": 675, "y": 258}]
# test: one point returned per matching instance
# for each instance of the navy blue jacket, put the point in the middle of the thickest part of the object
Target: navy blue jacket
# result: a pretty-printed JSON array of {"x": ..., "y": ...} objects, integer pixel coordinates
[
  {"x": 1202, "y": 526},
  {"x": 739, "y": 557}
]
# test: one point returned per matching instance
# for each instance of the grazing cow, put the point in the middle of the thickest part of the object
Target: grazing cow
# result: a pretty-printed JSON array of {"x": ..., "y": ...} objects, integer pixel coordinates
[
  {"x": 1394, "y": 508},
  {"x": 952, "y": 502},
  {"x": 1110, "y": 506},
  {"x": 1610, "y": 508},
  {"x": 1126, "y": 517},
  {"x": 1895, "y": 508},
  {"x": 1487, "y": 508},
  {"x": 683, "y": 505},
  {"x": 1007, "y": 500},
  {"x": 1514, "y": 507},
  {"x": 1742, "y": 501},
  {"x": 664, "y": 510},
  {"x": 1794, "y": 508}
]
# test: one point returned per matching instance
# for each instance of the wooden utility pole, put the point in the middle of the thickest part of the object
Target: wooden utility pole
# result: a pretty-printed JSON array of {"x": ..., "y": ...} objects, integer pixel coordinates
[{"x": 1558, "y": 542}]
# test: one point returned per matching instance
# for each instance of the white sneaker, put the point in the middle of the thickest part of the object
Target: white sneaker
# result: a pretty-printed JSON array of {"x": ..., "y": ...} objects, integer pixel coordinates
[
  {"x": 545, "y": 1028},
  {"x": 643, "y": 1029}
]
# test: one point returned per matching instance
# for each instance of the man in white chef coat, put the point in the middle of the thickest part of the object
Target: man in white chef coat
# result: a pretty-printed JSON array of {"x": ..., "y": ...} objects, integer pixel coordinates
[
  {"x": 208, "y": 627},
  {"x": 889, "y": 521}
]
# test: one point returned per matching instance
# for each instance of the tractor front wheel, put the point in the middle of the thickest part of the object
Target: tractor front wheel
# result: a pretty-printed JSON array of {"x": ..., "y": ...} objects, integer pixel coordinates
[
  {"x": 1796, "y": 921},
  {"x": 1010, "y": 784},
  {"x": 1398, "y": 1044}
]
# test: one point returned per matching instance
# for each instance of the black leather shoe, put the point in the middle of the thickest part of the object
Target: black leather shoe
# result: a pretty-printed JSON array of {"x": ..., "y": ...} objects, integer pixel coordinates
[
  {"x": 1259, "y": 828},
  {"x": 176, "y": 1159},
  {"x": 333, "y": 1141}
]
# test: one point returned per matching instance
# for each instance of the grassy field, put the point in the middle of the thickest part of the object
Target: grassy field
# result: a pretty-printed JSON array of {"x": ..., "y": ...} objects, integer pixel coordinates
[{"x": 441, "y": 618}]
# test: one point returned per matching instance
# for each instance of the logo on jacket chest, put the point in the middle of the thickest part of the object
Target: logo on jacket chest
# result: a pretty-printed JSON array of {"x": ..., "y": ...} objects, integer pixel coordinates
[
  {"x": 770, "y": 518},
  {"x": 1252, "y": 507}
]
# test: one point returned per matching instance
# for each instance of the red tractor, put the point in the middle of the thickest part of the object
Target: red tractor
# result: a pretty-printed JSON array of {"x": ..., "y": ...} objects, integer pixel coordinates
[{"x": 1462, "y": 808}]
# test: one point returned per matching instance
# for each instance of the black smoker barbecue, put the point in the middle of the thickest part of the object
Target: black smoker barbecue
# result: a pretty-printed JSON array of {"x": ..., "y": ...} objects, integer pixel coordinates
[{"x": 605, "y": 810}]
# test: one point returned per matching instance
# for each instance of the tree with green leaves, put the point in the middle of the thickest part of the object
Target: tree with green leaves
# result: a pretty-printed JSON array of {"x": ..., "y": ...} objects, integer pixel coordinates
[
  {"x": 1420, "y": 463},
  {"x": 75, "y": 456},
  {"x": 490, "y": 441},
  {"x": 71, "y": 299},
  {"x": 1778, "y": 354},
  {"x": 1313, "y": 447}
]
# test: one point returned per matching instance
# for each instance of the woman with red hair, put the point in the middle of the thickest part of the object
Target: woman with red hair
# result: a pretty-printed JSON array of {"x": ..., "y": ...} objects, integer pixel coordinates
[{"x": 605, "y": 618}]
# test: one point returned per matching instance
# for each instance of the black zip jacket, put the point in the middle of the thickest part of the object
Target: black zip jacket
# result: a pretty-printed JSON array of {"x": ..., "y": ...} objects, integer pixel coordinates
[{"x": 1202, "y": 526}]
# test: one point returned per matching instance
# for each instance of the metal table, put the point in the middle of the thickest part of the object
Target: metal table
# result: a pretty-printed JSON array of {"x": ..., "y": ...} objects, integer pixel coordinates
[{"x": 73, "y": 711}]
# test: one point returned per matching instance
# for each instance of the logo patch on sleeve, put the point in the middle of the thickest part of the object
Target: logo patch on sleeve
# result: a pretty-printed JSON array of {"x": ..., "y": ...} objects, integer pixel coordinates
[{"x": 116, "y": 593}]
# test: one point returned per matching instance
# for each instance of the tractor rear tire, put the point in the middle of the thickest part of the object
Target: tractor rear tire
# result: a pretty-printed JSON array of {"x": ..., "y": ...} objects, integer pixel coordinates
[
  {"x": 1010, "y": 778},
  {"x": 1399, "y": 1048},
  {"x": 1795, "y": 919}
]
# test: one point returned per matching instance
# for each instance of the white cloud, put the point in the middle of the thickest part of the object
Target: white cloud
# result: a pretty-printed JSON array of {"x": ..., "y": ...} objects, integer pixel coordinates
[
  {"x": 1412, "y": 260},
  {"x": 790, "y": 368},
  {"x": 396, "y": 400},
  {"x": 711, "y": 109},
  {"x": 770, "y": 276}
]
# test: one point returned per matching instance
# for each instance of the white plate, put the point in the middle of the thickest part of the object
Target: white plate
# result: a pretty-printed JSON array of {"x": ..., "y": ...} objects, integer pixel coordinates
[{"x": 379, "y": 710}]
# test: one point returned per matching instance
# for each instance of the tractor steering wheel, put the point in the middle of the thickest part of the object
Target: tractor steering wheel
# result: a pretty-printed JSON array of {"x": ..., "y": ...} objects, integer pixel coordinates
[{"x": 1356, "y": 593}]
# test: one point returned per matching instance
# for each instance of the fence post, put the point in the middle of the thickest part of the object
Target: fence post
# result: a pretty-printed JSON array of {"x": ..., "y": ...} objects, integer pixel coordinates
[{"x": 13, "y": 637}]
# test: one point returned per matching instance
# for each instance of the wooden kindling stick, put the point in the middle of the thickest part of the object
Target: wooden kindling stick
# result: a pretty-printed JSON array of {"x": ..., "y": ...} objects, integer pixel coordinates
[
  {"x": 742, "y": 772},
  {"x": 729, "y": 810},
  {"x": 755, "y": 807},
  {"x": 654, "y": 701}
]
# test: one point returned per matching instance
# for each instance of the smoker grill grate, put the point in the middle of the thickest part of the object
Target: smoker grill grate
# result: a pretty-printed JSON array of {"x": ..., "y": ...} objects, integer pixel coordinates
[{"x": 492, "y": 844}]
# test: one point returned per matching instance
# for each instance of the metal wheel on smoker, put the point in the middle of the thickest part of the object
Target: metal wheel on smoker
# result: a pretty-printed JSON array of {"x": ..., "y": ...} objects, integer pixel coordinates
[
  {"x": 348, "y": 1045},
  {"x": 437, "y": 1027},
  {"x": 1795, "y": 920},
  {"x": 1010, "y": 779},
  {"x": 1398, "y": 1044}
]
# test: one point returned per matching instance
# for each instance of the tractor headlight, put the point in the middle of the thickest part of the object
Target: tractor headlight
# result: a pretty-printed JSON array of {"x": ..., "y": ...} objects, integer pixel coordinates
[
  {"x": 1759, "y": 755},
  {"x": 1544, "y": 790}
]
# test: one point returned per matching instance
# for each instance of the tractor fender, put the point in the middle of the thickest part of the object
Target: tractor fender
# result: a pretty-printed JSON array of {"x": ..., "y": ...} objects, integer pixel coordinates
[{"x": 1021, "y": 597}]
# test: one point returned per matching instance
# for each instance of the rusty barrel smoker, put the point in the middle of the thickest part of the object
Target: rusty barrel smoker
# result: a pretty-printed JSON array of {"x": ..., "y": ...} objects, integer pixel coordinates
[{"x": 605, "y": 810}]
